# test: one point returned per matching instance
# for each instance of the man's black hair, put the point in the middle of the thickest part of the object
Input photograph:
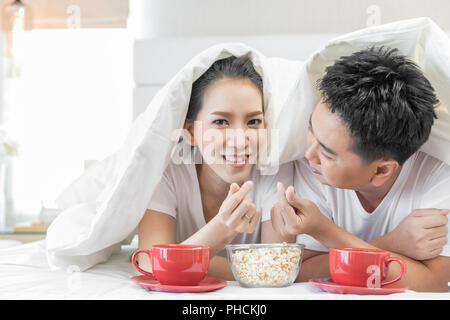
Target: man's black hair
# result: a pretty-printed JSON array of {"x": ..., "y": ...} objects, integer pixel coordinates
[{"x": 385, "y": 101}]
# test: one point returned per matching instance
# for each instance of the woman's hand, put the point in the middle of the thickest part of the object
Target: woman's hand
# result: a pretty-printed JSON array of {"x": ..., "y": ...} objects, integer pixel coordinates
[{"x": 238, "y": 212}]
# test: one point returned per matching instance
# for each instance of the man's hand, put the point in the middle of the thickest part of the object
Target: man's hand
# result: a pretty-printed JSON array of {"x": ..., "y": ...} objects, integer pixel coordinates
[
  {"x": 421, "y": 235},
  {"x": 292, "y": 215}
]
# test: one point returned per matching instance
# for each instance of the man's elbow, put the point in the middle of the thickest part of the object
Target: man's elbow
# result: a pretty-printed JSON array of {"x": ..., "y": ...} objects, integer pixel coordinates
[{"x": 438, "y": 286}]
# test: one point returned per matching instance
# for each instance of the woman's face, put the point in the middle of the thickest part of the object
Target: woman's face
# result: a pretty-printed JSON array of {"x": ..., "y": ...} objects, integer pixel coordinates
[{"x": 229, "y": 128}]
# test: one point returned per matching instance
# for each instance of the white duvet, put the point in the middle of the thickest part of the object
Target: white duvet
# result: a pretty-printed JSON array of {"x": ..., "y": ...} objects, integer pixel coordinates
[
  {"x": 104, "y": 206},
  {"x": 111, "y": 281}
]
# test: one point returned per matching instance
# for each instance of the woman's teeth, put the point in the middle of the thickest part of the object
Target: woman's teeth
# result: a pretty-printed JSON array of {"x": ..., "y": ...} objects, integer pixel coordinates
[{"x": 236, "y": 159}]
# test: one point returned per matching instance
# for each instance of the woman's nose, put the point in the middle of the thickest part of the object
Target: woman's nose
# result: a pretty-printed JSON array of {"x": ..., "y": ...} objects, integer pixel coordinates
[{"x": 237, "y": 139}]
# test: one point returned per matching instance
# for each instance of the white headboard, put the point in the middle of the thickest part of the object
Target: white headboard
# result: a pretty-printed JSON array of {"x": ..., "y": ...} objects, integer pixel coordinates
[{"x": 157, "y": 60}]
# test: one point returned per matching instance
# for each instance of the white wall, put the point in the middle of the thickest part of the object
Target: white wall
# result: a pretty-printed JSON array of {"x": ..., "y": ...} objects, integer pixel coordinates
[
  {"x": 161, "y": 18},
  {"x": 1, "y": 64},
  {"x": 169, "y": 33}
]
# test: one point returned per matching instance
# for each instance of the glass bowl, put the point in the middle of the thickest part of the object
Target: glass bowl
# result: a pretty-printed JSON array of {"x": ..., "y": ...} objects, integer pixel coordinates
[{"x": 265, "y": 265}]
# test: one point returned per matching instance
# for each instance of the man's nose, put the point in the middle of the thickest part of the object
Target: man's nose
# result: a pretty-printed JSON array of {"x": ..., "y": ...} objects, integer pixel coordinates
[{"x": 311, "y": 153}]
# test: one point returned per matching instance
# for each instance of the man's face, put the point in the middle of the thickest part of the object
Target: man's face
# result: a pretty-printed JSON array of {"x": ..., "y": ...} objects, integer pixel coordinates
[{"x": 330, "y": 154}]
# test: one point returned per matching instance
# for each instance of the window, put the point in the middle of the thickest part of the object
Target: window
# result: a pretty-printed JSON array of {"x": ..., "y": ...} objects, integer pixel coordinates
[{"x": 72, "y": 104}]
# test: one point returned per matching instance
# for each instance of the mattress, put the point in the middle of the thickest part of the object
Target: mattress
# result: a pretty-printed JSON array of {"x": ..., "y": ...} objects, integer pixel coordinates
[{"x": 111, "y": 281}]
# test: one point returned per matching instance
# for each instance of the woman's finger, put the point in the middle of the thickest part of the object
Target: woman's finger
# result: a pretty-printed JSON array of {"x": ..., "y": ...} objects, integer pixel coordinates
[
  {"x": 234, "y": 187},
  {"x": 237, "y": 215},
  {"x": 234, "y": 199},
  {"x": 247, "y": 219},
  {"x": 255, "y": 220}
]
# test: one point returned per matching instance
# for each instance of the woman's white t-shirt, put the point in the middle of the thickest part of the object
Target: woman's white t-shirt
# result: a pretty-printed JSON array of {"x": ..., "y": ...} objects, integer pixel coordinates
[
  {"x": 178, "y": 195},
  {"x": 424, "y": 182}
]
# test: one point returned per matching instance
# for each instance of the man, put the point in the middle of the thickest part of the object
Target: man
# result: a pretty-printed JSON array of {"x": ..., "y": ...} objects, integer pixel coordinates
[{"x": 363, "y": 182}]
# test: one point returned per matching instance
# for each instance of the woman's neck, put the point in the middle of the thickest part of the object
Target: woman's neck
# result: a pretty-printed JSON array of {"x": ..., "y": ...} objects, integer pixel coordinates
[{"x": 211, "y": 185}]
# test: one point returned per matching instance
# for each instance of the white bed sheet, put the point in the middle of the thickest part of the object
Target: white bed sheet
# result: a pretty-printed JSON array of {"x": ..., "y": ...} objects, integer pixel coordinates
[{"x": 111, "y": 280}]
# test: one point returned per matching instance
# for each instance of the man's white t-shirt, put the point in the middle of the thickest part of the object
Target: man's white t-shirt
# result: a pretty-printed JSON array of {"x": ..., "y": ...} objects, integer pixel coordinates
[
  {"x": 178, "y": 195},
  {"x": 424, "y": 182}
]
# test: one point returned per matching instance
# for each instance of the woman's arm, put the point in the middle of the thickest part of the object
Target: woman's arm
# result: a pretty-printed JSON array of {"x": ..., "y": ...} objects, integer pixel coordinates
[
  {"x": 157, "y": 227},
  {"x": 154, "y": 228}
]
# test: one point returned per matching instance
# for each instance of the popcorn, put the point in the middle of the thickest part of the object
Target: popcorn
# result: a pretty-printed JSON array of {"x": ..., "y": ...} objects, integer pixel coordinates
[{"x": 266, "y": 266}]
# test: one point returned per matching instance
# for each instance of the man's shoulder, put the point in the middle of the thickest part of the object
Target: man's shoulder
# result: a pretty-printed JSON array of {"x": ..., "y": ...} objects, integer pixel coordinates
[{"x": 428, "y": 167}]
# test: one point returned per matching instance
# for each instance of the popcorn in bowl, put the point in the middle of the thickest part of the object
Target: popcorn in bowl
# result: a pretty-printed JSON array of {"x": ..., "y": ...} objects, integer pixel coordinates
[{"x": 265, "y": 265}]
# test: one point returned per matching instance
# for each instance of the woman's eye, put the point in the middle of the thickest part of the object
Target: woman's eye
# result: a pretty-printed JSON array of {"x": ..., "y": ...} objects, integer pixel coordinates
[
  {"x": 254, "y": 122},
  {"x": 220, "y": 122}
]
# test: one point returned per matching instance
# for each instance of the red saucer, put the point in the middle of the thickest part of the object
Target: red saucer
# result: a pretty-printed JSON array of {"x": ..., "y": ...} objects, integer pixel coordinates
[
  {"x": 207, "y": 284},
  {"x": 327, "y": 284}
]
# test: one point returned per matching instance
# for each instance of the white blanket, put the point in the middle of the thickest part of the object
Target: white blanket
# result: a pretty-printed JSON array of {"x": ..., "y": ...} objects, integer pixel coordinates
[
  {"x": 104, "y": 206},
  {"x": 111, "y": 281}
]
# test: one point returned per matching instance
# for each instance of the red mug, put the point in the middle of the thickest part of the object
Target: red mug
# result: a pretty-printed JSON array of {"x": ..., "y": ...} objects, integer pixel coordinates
[
  {"x": 176, "y": 264},
  {"x": 362, "y": 267}
]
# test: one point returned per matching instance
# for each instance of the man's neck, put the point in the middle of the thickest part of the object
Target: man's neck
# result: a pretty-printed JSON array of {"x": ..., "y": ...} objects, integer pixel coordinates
[{"x": 371, "y": 196}]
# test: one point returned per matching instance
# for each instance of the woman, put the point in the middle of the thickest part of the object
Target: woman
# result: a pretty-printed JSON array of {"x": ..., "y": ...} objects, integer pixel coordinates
[{"x": 220, "y": 199}]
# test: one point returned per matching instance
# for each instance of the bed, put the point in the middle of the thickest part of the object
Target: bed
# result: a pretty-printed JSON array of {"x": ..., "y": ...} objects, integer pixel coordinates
[
  {"x": 27, "y": 275},
  {"x": 112, "y": 281}
]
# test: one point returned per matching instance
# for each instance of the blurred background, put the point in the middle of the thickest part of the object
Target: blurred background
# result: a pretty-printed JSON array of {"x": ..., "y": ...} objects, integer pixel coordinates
[{"x": 76, "y": 73}]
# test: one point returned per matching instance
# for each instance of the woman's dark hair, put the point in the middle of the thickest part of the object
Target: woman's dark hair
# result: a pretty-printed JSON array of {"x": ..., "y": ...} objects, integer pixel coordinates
[
  {"x": 384, "y": 100},
  {"x": 232, "y": 67}
]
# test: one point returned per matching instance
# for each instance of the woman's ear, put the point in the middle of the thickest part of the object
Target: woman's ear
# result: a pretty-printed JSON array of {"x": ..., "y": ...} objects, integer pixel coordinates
[{"x": 188, "y": 132}]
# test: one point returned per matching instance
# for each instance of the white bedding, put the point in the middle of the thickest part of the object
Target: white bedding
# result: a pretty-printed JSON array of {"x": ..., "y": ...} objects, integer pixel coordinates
[
  {"x": 104, "y": 206},
  {"x": 111, "y": 281}
]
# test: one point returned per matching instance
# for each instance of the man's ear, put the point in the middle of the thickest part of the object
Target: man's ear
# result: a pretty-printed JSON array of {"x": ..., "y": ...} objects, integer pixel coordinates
[
  {"x": 384, "y": 169},
  {"x": 188, "y": 132}
]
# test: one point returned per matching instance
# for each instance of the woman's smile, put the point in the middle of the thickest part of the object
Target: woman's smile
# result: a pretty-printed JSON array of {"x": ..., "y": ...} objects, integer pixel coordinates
[{"x": 236, "y": 161}]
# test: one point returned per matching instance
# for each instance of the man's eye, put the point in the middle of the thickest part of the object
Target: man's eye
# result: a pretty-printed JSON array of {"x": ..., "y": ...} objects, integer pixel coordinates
[
  {"x": 326, "y": 156},
  {"x": 220, "y": 122}
]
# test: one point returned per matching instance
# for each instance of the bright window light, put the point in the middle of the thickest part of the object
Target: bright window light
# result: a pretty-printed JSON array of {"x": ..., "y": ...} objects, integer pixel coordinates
[{"x": 72, "y": 104}]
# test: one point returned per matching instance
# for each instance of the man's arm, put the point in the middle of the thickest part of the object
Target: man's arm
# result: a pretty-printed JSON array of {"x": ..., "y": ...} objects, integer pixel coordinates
[
  {"x": 420, "y": 236},
  {"x": 293, "y": 215},
  {"x": 430, "y": 275}
]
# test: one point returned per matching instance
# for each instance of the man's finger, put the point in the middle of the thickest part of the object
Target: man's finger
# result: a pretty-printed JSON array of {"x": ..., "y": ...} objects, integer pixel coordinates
[
  {"x": 287, "y": 212},
  {"x": 277, "y": 221},
  {"x": 438, "y": 242},
  {"x": 433, "y": 221},
  {"x": 430, "y": 211},
  {"x": 281, "y": 193},
  {"x": 293, "y": 199},
  {"x": 437, "y": 232}
]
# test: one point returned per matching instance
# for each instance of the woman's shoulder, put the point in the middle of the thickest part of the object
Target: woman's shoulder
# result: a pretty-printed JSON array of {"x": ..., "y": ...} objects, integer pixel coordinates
[{"x": 179, "y": 172}]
